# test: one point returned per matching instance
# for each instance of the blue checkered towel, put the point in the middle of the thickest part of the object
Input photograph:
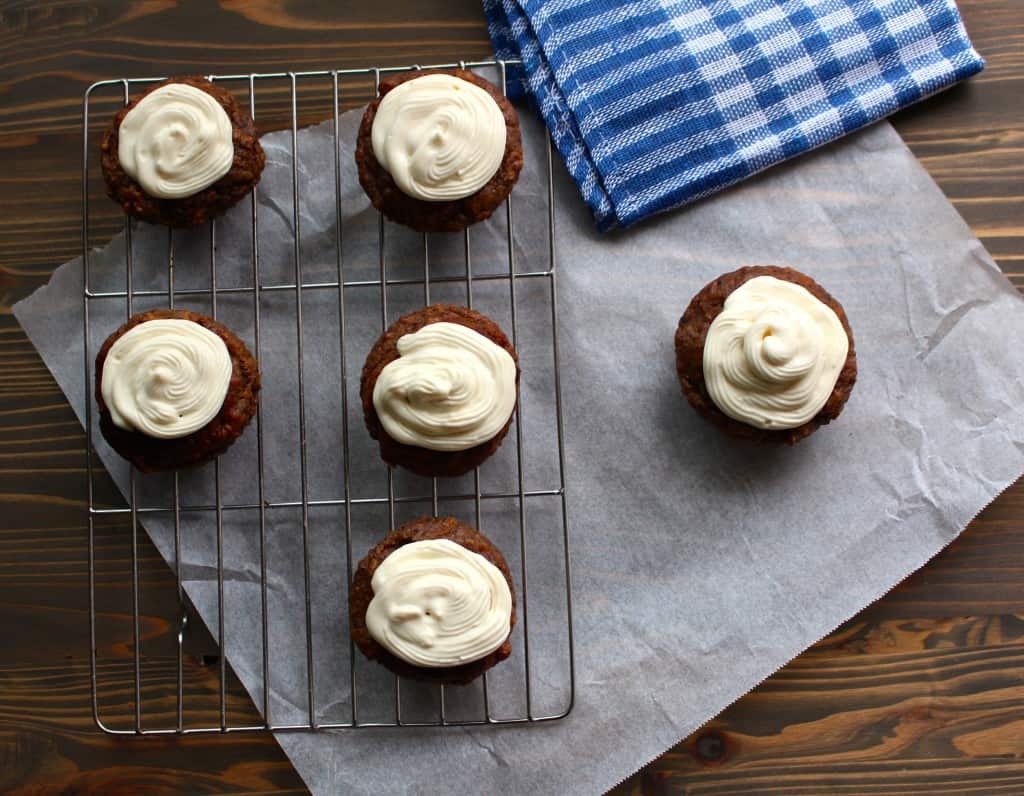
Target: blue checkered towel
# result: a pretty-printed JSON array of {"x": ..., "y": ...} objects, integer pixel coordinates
[{"x": 657, "y": 103}]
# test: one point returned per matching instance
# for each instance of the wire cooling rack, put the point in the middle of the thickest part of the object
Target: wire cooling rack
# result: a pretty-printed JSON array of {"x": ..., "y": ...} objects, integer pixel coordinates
[{"x": 170, "y": 697}]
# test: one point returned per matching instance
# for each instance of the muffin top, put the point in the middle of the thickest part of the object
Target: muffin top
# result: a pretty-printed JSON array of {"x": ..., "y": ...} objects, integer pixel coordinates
[
  {"x": 440, "y": 138},
  {"x": 446, "y": 158},
  {"x": 434, "y": 601},
  {"x": 181, "y": 153},
  {"x": 165, "y": 378},
  {"x": 176, "y": 141},
  {"x": 773, "y": 354},
  {"x": 765, "y": 339},
  {"x": 449, "y": 389},
  {"x": 437, "y": 605}
]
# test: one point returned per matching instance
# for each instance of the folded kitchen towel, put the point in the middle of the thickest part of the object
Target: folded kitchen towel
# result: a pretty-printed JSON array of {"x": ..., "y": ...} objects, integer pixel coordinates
[{"x": 657, "y": 103}]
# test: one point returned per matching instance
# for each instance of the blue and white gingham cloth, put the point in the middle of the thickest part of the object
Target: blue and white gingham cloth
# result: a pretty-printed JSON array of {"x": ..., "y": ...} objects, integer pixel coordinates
[{"x": 656, "y": 103}]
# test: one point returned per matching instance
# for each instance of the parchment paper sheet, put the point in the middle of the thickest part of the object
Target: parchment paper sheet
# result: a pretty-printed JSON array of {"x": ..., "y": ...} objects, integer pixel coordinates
[{"x": 701, "y": 565}]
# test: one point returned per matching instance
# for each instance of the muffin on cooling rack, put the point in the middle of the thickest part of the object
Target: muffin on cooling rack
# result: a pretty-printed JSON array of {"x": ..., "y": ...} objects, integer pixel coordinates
[
  {"x": 174, "y": 389},
  {"x": 766, "y": 354},
  {"x": 438, "y": 389},
  {"x": 434, "y": 601},
  {"x": 181, "y": 154},
  {"x": 438, "y": 151}
]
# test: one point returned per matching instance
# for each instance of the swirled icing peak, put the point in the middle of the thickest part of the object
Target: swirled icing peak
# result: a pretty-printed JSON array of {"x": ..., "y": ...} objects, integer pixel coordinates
[
  {"x": 176, "y": 141},
  {"x": 165, "y": 378},
  {"x": 773, "y": 354},
  {"x": 439, "y": 137},
  {"x": 437, "y": 604},
  {"x": 450, "y": 388}
]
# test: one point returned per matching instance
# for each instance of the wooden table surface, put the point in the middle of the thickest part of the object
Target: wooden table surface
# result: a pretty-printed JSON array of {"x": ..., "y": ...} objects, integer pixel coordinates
[{"x": 922, "y": 693}]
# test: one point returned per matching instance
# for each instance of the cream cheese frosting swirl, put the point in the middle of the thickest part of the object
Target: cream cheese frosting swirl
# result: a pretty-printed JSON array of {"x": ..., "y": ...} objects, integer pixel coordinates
[
  {"x": 166, "y": 378},
  {"x": 450, "y": 388},
  {"x": 176, "y": 141},
  {"x": 439, "y": 137},
  {"x": 773, "y": 354},
  {"x": 436, "y": 604}
]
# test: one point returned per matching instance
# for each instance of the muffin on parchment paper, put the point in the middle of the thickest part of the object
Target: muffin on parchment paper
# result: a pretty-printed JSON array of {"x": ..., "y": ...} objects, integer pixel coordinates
[
  {"x": 438, "y": 151},
  {"x": 174, "y": 389},
  {"x": 439, "y": 389},
  {"x": 766, "y": 354},
  {"x": 434, "y": 601},
  {"x": 182, "y": 153}
]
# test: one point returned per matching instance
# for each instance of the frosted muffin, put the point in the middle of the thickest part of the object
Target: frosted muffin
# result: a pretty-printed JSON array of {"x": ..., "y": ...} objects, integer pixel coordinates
[
  {"x": 174, "y": 389},
  {"x": 434, "y": 601},
  {"x": 437, "y": 150},
  {"x": 182, "y": 153},
  {"x": 439, "y": 389},
  {"x": 766, "y": 354}
]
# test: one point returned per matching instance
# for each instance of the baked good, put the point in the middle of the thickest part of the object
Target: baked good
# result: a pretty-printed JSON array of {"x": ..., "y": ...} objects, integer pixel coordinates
[
  {"x": 438, "y": 150},
  {"x": 182, "y": 153},
  {"x": 766, "y": 354},
  {"x": 434, "y": 601},
  {"x": 439, "y": 389},
  {"x": 174, "y": 389}
]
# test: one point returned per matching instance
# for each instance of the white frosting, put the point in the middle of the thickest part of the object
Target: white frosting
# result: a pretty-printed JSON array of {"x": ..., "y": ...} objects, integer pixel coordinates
[
  {"x": 166, "y": 378},
  {"x": 176, "y": 141},
  {"x": 450, "y": 388},
  {"x": 439, "y": 137},
  {"x": 437, "y": 604},
  {"x": 773, "y": 355}
]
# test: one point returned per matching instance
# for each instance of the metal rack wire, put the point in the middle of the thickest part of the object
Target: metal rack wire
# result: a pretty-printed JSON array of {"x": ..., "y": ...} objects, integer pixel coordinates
[{"x": 135, "y": 513}]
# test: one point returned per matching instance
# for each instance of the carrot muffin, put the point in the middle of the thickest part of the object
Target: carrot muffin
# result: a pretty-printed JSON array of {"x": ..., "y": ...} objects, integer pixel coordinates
[
  {"x": 766, "y": 354},
  {"x": 181, "y": 154},
  {"x": 434, "y": 601},
  {"x": 438, "y": 151},
  {"x": 174, "y": 389},
  {"x": 439, "y": 389}
]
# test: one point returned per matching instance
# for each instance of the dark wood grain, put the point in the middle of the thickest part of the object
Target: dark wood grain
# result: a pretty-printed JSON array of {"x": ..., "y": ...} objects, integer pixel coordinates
[{"x": 919, "y": 694}]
